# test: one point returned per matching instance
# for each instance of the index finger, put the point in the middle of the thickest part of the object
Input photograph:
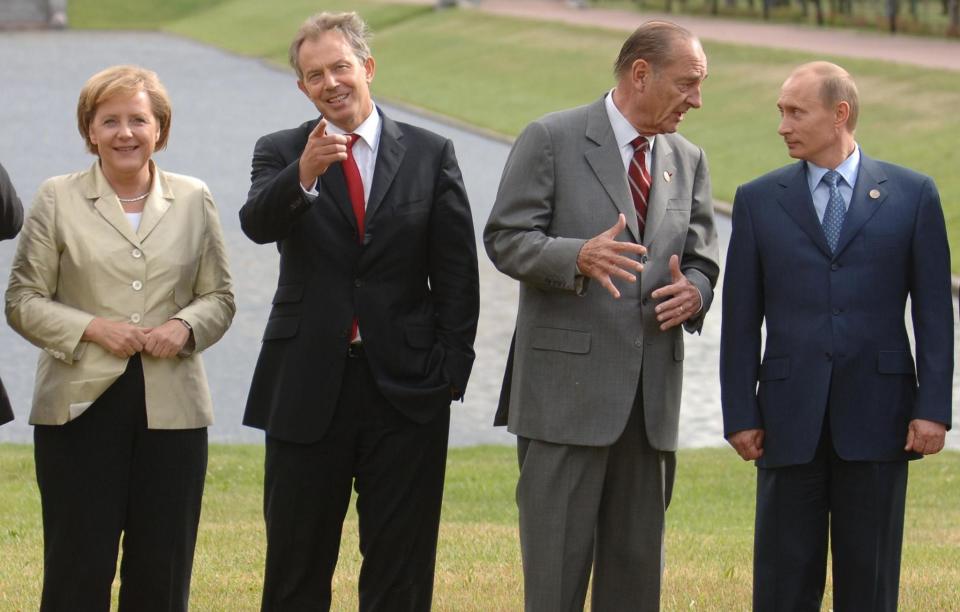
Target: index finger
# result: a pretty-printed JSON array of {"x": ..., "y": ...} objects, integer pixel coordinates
[{"x": 320, "y": 129}]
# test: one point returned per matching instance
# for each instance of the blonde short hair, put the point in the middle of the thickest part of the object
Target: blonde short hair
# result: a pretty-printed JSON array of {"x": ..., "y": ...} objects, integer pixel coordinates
[
  {"x": 123, "y": 81},
  {"x": 350, "y": 25}
]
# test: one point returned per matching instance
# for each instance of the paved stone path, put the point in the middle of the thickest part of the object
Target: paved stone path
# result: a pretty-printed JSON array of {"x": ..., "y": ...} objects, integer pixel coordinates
[
  {"x": 222, "y": 103},
  {"x": 919, "y": 51}
]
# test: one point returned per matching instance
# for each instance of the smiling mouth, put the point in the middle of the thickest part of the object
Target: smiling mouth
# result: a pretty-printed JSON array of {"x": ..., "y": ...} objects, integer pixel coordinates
[
  {"x": 126, "y": 149},
  {"x": 337, "y": 99}
]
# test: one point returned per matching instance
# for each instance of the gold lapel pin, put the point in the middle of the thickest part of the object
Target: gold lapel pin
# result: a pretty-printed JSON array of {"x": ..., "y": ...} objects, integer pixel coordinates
[
  {"x": 874, "y": 194},
  {"x": 667, "y": 176}
]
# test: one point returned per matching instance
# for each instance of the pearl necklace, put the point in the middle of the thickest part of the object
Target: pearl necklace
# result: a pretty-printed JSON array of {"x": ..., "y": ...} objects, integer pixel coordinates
[{"x": 136, "y": 199}]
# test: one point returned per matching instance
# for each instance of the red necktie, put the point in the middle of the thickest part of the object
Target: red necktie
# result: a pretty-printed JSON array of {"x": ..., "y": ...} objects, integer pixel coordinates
[
  {"x": 639, "y": 179},
  {"x": 355, "y": 189},
  {"x": 355, "y": 186}
]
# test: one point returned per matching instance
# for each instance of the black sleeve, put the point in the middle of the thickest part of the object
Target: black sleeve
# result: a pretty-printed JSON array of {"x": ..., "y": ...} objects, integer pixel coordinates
[{"x": 11, "y": 210}]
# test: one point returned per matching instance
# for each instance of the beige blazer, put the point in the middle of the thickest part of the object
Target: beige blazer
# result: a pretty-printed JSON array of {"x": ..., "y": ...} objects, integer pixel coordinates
[{"x": 79, "y": 257}]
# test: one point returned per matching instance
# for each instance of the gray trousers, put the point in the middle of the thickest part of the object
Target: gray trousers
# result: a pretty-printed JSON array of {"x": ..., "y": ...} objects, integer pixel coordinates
[{"x": 583, "y": 506}]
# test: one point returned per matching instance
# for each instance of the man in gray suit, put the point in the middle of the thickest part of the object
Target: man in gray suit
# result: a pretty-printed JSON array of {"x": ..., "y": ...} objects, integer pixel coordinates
[{"x": 604, "y": 215}]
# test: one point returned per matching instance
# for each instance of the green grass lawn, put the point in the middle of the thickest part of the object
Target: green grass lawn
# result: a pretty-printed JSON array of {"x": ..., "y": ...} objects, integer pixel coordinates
[
  {"x": 709, "y": 534},
  {"x": 499, "y": 74}
]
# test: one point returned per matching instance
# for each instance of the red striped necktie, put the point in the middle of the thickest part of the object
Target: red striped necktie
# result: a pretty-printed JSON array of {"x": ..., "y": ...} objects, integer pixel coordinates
[{"x": 639, "y": 179}]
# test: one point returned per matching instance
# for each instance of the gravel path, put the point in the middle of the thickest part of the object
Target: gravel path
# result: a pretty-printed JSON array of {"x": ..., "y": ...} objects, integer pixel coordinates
[{"x": 222, "y": 103}]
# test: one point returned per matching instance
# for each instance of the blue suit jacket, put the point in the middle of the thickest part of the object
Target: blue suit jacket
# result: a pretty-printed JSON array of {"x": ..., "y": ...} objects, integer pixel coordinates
[{"x": 836, "y": 341}]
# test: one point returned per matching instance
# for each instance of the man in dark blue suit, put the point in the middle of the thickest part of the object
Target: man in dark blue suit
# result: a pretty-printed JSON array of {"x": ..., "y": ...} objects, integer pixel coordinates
[{"x": 825, "y": 253}]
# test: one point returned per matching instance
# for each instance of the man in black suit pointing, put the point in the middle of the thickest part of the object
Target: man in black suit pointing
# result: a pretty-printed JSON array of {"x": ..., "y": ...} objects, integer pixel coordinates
[{"x": 370, "y": 335}]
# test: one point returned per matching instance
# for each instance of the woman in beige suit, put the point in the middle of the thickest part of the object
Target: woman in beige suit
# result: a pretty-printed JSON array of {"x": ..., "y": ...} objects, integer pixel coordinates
[{"x": 121, "y": 278}]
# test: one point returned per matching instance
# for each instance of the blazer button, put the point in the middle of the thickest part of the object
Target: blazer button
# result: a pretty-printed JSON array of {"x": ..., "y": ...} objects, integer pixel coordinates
[
  {"x": 137, "y": 285},
  {"x": 137, "y": 253},
  {"x": 638, "y": 343},
  {"x": 828, "y": 355},
  {"x": 835, "y": 267},
  {"x": 836, "y": 311},
  {"x": 357, "y": 283},
  {"x": 135, "y": 317}
]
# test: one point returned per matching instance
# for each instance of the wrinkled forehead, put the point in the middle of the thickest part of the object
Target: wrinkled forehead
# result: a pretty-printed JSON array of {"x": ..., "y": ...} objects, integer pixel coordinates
[{"x": 688, "y": 58}]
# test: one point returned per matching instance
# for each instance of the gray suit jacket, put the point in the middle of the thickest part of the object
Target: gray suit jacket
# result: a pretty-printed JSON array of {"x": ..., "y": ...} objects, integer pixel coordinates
[{"x": 578, "y": 352}]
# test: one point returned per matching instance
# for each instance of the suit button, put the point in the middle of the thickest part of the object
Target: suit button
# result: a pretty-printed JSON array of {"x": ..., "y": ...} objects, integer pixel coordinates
[
  {"x": 829, "y": 356},
  {"x": 638, "y": 343},
  {"x": 645, "y": 301},
  {"x": 135, "y": 317},
  {"x": 137, "y": 285},
  {"x": 137, "y": 253},
  {"x": 835, "y": 267},
  {"x": 836, "y": 311},
  {"x": 357, "y": 283}
]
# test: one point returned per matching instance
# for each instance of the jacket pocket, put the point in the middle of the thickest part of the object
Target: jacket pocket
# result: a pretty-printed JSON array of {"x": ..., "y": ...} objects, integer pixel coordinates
[
  {"x": 895, "y": 362},
  {"x": 413, "y": 207},
  {"x": 287, "y": 294},
  {"x": 777, "y": 368},
  {"x": 563, "y": 340},
  {"x": 281, "y": 327},
  {"x": 420, "y": 337}
]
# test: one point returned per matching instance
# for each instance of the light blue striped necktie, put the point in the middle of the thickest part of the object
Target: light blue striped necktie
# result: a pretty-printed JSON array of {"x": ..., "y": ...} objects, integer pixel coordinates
[{"x": 833, "y": 215}]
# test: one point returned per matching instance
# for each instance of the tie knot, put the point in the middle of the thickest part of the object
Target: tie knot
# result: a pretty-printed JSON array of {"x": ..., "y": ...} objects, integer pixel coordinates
[
  {"x": 639, "y": 143},
  {"x": 832, "y": 178}
]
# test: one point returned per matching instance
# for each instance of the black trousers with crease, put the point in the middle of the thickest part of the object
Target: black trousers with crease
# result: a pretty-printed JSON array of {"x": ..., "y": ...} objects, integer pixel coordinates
[{"x": 103, "y": 475}]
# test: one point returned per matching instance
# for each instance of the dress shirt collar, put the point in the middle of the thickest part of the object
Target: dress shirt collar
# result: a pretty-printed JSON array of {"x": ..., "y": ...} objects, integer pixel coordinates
[
  {"x": 848, "y": 169},
  {"x": 623, "y": 130},
  {"x": 368, "y": 131}
]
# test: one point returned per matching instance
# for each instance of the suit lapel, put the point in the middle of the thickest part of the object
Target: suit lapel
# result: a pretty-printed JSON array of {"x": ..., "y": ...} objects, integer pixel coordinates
[
  {"x": 607, "y": 164},
  {"x": 863, "y": 205},
  {"x": 157, "y": 204},
  {"x": 105, "y": 201},
  {"x": 796, "y": 201},
  {"x": 390, "y": 154},
  {"x": 662, "y": 165}
]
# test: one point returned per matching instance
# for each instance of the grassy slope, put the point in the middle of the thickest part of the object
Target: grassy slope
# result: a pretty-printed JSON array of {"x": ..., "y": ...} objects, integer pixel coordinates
[{"x": 709, "y": 534}]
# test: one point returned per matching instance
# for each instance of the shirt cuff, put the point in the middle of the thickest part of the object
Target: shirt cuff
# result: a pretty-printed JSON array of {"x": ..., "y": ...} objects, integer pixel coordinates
[{"x": 313, "y": 192}]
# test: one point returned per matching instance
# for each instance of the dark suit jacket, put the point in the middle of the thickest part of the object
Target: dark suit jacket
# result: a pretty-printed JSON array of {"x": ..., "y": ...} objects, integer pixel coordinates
[
  {"x": 11, "y": 219},
  {"x": 835, "y": 335},
  {"x": 413, "y": 283}
]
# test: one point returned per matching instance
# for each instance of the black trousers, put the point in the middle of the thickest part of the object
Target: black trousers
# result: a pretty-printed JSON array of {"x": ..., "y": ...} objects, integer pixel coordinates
[
  {"x": 860, "y": 504},
  {"x": 397, "y": 468},
  {"x": 105, "y": 474}
]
